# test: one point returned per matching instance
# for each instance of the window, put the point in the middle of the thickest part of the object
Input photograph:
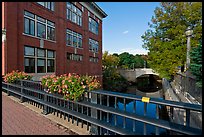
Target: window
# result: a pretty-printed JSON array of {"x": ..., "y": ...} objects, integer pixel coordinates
[
  {"x": 48, "y": 5},
  {"x": 74, "y": 39},
  {"x": 30, "y": 22},
  {"x": 41, "y": 66},
  {"x": 75, "y": 57},
  {"x": 74, "y": 14},
  {"x": 93, "y": 45},
  {"x": 93, "y": 26},
  {"x": 50, "y": 30},
  {"x": 41, "y": 30},
  {"x": 50, "y": 61},
  {"x": 42, "y": 62},
  {"x": 93, "y": 59}
]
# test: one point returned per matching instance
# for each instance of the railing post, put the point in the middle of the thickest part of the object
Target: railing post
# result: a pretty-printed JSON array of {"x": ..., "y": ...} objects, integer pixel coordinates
[
  {"x": 8, "y": 93},
  {"x": 94, "y": 128},
  {"x": 21, "y": 99},
  {"x": 45, "y": 108}
]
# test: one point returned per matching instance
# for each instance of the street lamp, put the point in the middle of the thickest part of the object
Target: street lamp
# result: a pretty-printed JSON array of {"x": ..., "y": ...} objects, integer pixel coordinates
[{"x": 189, "y": 33}]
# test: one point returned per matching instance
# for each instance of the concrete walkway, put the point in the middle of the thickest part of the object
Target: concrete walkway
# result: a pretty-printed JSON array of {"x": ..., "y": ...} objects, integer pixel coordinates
[{"x": 20, "y": 120}]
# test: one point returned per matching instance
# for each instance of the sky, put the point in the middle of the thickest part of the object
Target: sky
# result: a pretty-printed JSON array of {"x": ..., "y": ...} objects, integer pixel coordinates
[{"x": 125, "y": 24}]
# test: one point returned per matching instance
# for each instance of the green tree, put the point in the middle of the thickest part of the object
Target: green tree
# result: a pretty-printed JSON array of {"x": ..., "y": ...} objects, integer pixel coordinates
[
  {"x": 112, "y": 80},
  {"x": 166, "y": 39},
  {"x": 196, "y": 64}
]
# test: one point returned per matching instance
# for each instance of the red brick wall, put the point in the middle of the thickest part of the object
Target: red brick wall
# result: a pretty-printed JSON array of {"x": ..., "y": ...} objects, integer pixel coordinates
[{"x": 16, "y": 40}]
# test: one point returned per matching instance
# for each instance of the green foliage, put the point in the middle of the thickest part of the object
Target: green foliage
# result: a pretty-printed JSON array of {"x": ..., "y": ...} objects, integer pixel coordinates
[
  {"x": 166, "y": 39},
  {"x": 15, "y": 76},
  {"x": 112, "y": 80},
  {"x": 72, "y": 86},
  {"x": 129, "y": 61},
  {"x": 196, "y": 64}
]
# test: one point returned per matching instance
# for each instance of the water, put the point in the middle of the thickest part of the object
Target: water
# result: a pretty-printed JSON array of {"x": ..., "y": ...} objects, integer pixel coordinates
[{"x": 139, "y": 126}]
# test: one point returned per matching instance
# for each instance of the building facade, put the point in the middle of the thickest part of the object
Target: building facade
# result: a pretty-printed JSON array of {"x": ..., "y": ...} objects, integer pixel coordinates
[{"x": 43, "y": 38}]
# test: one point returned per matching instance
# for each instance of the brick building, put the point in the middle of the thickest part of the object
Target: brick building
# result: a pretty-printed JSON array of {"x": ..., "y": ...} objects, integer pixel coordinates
[{"x": 52, "y": 38}]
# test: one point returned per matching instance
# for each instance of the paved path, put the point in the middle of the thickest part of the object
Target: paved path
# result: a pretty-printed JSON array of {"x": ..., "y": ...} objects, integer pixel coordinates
[{"x": 19, "y": 120}]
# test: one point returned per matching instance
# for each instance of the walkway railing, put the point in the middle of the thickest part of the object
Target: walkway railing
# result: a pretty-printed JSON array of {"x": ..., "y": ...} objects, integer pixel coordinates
[{"x": 96, "y": 109}]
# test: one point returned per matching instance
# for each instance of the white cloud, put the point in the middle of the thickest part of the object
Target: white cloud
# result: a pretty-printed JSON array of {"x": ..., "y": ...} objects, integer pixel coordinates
[
  {"x": 125, "y": 32},
  {"x": 134, "y": 51}
]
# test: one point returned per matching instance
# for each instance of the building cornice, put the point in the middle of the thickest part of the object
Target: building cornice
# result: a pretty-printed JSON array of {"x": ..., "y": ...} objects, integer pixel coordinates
[
  {"x": 99, "y": 9},
  {"x": 95, "y": 9}
]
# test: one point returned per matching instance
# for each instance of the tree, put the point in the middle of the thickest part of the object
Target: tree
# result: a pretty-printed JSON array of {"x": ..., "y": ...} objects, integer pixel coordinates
[
  {"x": 112, "y": 80},
  {"x": 166, "y": 40},
  {"x": 196, "y": 64}
]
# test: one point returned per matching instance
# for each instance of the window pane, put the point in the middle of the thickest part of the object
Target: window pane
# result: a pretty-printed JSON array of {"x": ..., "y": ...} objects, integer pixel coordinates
[
  {"x": 50, "y": 54},
  {"x": 41, "y": 19},
  {"x": 29, "y": 14},
  {"x": 41, "y": 66},
  {"x": 69, "y": 14},
  {"x": 50, "y": 65},
  {"x": 52, "y": 6},
  {"x": 68, "y": 5},
  {"x": 48, "y": 5},
  {"x": 50, "y": 23},
  {"x": 41, "y": 53},
  {"x": 69, "y": 56},
  {"x": 41, "y": 30},
  {"x": 50, "y": 33},
  {"x": 29, "y": 51},
  {"x": 26, "y": 25},
  {"x": 32, "y": 27},
  {"x": 69, "y": 39},
  {"x": 29, "y": 64},
  {"x": 75, "y": 41},
  {"x": 80, "y": 43},
  {"x": 73, "y": 17}
]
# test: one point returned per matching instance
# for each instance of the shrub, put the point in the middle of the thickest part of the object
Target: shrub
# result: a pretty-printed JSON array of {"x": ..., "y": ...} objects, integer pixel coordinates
[
  {"x": 15, "y": 76},
  {"x": 72, "y": 86}
]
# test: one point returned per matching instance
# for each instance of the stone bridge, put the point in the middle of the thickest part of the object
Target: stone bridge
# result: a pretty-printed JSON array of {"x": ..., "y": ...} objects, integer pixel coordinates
[{"x": 131, "y": 75}]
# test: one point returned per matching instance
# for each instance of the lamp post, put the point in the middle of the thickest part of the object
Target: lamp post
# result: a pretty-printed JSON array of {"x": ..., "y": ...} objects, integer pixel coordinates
[{"x": 189, "y": 33}]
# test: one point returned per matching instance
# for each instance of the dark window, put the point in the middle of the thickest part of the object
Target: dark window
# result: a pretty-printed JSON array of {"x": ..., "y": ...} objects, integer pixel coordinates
[
  {"x": 50, "y": 65},
  {"x": 50, "y": 33},
  {"x": 29, "y": 64},
  {"x": 40, "y": 65}
]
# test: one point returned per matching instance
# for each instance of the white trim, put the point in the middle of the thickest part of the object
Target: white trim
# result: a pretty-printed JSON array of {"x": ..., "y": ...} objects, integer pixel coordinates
[
  {"x": 37, "y": 37},
  {"x": 88, "y": 6},
  {"x": 91, "y": 10}
]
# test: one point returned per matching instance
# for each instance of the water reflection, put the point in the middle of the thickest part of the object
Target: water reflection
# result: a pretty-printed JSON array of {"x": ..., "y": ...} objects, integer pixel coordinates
[{"x": 139, "y": 126}]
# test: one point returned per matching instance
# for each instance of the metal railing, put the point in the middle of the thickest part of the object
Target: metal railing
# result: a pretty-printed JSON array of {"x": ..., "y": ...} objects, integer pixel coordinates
[{"x": 99, "y": 108}]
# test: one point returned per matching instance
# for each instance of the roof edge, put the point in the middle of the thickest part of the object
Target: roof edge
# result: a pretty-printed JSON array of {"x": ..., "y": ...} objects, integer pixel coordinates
[{"x": 99, "y": 9}]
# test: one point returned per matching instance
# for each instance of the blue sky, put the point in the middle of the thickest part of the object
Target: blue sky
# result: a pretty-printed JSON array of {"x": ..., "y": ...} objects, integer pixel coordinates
[{"x": 124, "y": 25}]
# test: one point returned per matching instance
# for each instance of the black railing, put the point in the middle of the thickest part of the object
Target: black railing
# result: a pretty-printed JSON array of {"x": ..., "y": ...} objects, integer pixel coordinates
[{"x": 99, "y": 110}]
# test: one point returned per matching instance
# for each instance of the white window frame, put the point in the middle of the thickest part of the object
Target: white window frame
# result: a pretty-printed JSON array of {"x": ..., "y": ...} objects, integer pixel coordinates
[
  {"x": 78, "y": 36},
  {"x": 36, "y": 28},
  {"x": 36, "y": 59}
]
